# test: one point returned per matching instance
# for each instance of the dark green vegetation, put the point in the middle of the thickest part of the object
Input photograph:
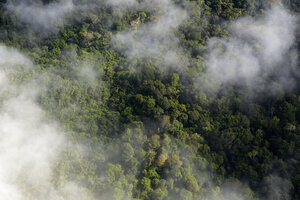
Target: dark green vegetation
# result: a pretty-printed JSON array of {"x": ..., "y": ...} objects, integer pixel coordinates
[{"x": 151, "y": 134}]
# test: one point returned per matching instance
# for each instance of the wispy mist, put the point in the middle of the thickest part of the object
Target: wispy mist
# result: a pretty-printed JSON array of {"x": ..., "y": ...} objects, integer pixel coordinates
[
  {"x": 42, "y": 17},
  {"x": 155, "y": 39},
  {"x": 258, "y": 56},
  {"x": 31, "y": 143},
  {"x": 39, "y": 158}
]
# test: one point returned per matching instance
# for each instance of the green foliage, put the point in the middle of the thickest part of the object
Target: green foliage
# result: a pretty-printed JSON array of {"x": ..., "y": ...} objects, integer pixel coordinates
[{"x": 150, "y": 133}]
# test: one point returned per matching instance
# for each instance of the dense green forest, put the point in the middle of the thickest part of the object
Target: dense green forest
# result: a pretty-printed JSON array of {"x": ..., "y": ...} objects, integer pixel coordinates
[{"x": 155, "y": 99}]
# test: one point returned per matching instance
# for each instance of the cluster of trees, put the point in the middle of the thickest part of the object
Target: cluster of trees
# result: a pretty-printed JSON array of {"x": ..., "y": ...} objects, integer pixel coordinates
[{"x": 150, "y": 133}]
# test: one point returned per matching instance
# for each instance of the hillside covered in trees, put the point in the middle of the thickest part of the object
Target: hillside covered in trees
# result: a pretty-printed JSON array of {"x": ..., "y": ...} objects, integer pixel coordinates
[{"x": 149, "y": 100}]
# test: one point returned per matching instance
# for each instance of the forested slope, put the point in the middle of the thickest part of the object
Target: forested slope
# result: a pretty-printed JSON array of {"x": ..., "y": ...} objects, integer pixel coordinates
[{"x": 149, "y": 99}]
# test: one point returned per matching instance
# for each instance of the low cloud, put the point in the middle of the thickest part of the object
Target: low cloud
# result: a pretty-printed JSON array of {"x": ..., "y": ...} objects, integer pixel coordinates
[
  {"x": 155, "y": 39},
  {"x": 258, "y": 56},
  {"x": 42, "y": 17},
  {"x": 31, "y": 143}
]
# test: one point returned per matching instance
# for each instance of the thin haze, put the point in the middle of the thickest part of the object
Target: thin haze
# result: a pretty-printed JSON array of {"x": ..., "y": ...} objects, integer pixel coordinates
[
  {"x": 32, "y": 146},
  {"x": 39, "y": 160},
  {"x": 30, "y": 142},
  {"x": 156, "y": 39},
  {"x": 257, "y": 49},
  {"x": 42, "y": 17}
]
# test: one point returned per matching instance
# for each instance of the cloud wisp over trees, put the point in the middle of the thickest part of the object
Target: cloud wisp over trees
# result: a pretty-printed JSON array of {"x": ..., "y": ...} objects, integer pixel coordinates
[{"x": 259, "y": 54}]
